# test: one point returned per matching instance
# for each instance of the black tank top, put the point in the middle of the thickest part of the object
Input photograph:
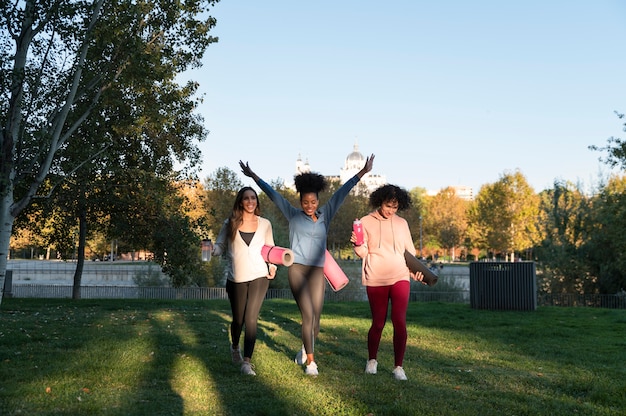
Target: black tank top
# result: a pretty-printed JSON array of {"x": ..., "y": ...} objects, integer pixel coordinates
[{"x": 247, "y": 237}]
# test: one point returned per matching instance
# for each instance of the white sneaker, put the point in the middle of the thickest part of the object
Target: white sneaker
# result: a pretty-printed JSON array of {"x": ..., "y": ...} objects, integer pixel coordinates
[
  {"x": 371, "y": 366},
  {"x": 300, "y": 356},
  {"x": 398, "y": 373},
  {"x": 246, "y": 368},
  {"x": 311, "y": 369},
  {"x": 235, "y": 355}
]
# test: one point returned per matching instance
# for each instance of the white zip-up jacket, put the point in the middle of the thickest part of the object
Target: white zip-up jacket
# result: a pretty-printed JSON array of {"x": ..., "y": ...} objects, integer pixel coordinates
[{"x": 246, "y": 261}]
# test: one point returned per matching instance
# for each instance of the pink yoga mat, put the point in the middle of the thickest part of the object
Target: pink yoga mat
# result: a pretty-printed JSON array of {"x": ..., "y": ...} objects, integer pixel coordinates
[
  {"x": 277, "y": 255},
  {"x": 336, "y": 278},
  {"x": 415, "y": 265}
]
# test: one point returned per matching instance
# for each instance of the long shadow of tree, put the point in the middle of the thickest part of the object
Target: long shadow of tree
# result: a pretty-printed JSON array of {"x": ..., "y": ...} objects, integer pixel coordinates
[{"x": 243, "y": 396}]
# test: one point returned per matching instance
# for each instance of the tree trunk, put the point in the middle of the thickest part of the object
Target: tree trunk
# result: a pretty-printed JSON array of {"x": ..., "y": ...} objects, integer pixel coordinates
[
  {"x": 80, "y": 261},
  {"x": 6, "y": 227}
]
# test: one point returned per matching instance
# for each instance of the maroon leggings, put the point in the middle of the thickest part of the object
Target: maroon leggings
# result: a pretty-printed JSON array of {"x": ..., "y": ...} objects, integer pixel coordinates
[{"x": 379, "y": 297}]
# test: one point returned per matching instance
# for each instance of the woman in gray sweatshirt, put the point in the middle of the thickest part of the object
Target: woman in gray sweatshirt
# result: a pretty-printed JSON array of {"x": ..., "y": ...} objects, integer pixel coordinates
[{"x": 308, "y": 229}]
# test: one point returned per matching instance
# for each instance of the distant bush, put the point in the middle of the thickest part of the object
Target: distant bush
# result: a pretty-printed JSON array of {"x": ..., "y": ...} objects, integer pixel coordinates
[{"x": 151, "y": 275}]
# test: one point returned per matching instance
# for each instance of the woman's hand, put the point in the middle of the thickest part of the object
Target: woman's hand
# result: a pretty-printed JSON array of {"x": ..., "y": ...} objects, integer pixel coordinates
[
  {"x": 353, "y": 238},
  {"x": 369, "y": 164},
  {"x": 271, "y": 271},
  {"x": 245, "y": 168},
  {"x": 418, "y": 277}
]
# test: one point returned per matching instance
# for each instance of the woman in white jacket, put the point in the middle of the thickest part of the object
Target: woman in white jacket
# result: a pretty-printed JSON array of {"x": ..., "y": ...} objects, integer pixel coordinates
[{"x": 240, "y": 240}]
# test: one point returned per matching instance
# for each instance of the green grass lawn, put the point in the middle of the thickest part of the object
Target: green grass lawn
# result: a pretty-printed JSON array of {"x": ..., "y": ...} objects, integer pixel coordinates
[{"x": 132, "y": 357}]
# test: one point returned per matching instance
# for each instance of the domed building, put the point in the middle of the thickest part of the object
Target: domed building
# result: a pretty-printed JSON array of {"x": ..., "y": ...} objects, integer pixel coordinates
[{"x": 353, "y": 164}]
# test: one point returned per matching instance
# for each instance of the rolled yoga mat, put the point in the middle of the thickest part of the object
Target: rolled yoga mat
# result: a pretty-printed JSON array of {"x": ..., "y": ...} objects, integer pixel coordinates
[
  {"x": 415, "y": 265},
  {"x": 335, "y": 277},
  {"x": 277, "y": 255}
]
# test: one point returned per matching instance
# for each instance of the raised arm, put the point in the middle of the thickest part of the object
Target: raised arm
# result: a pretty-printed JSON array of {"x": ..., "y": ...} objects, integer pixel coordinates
[
  {"x": 369, "y": 163},
  {"x": 245, "y": 168},
  {"x": 280, "y": 201},
  {"x": 340, "y": 194}
]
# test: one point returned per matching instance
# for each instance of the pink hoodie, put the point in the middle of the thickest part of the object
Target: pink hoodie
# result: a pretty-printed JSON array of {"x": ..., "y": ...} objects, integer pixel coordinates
[{"x": 386, "y": 239}]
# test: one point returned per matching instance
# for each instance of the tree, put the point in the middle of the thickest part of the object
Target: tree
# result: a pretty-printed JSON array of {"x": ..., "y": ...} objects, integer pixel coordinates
[
  {"x": 57, "y": 59},
  {"x": 194, "y": 196},
  {"x": 606, "y": 247},
  {"x": 27, "y": 239},
  {"x": 175, "y": 244},
  {"x": 565, "y": 224},
  {"x": 504, "y": 215},
  {"x": 415, "y": 211},
  {"x": 447, "y": 218},
  {"x": 221, "y": 189},
  {"x": 607, "y": 244},
  {"x": 615, "y": 148},
  {"x": 354, "y": 206}
]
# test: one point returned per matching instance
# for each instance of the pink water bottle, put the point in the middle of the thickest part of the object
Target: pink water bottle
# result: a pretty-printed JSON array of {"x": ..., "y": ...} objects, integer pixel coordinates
[{"x": 357, "y": 227}]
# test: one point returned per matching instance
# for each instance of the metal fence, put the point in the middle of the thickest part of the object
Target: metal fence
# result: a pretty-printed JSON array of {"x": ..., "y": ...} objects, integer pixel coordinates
[
  {"x": 202, "y": 293},
  {"x": 596, "y": 301},
  {"x": 208, "y": 293},
  {"x": 40, "y": 279}
]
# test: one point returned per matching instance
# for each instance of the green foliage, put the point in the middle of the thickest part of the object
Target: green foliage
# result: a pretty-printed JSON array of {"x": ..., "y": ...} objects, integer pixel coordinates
[
  {"x": 583, "y": 240},
  {"x": 504, "y": 215},
  {"x": 147, "y": 357},
  {"x": 88, "y": 96},
  {"x": 221, "y": 189},
  {"x": 415, "y": 211},
  {"x": 447, "y": 218},
  {"x": 354, "y": 206},
  {"x": 615, "y": 148},
  {"x": 214, "y": 273},
  {"x": 565, "y": 224},
  {"x": 606, "y": 247},
  {"x": 177, "y": 248},
  {"x": 73, "y": 60},
  {"x": 150, "y": 275}
]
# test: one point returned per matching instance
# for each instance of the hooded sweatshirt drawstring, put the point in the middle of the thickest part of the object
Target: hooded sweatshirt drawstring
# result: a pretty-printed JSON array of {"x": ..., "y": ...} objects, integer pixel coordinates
[
  {"x": 380, "y": 220},
  {"x": 386, "y": 241}
]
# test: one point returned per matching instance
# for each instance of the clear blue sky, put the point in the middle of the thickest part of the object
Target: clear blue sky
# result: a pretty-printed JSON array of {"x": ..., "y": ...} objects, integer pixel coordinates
[{"x": 443, "y": 92}]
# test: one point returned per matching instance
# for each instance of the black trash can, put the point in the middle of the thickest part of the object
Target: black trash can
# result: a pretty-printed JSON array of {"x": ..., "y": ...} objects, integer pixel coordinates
[{"x": 503, "y": 285}]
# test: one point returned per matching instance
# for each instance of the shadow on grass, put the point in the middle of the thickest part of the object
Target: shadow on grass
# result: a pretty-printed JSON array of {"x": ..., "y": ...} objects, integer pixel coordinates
[
  {"x": 501, "y": 359},
  {"x": 161, "y": 357},
  {"x": 240, "y": 394},
  {"x": 86, "y": 335}
]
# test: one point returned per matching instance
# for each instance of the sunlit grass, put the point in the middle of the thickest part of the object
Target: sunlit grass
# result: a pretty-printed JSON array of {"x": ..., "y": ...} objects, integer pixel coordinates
[{"x": 133, "y": 357}]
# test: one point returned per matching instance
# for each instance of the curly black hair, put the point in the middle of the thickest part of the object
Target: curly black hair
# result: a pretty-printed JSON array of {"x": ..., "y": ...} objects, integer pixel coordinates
[
  {"x": 309, "y": 182},
  {"x": 390, "y": 193}
]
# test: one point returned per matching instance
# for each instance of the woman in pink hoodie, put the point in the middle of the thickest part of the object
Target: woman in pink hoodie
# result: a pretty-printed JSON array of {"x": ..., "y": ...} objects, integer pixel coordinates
[{"x": 384, "y": 271}]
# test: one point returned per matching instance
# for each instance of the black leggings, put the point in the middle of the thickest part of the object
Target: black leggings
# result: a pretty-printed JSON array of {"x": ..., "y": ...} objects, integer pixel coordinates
[
  {"x": 308, "y": 287},
  {"x": 245, "y": 303}
]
